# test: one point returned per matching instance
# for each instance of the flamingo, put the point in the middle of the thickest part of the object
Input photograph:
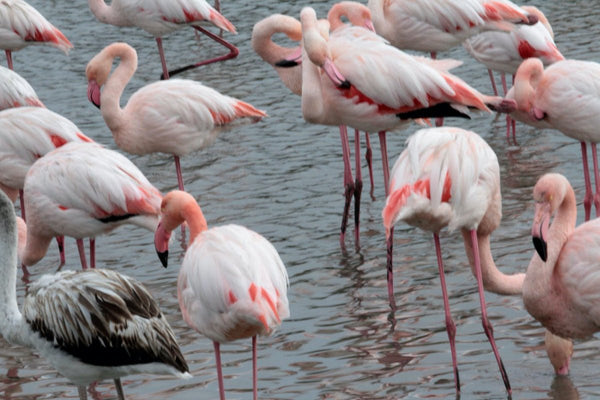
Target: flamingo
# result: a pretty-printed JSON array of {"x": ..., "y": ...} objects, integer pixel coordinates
[
  {"x": 504, "y": 51},
  {"x": 560, "y": 287},
  {"x": 91, "y": 325},
  {"x": 160, "y": 17},
  {"x": 83, "y": 190},
  {"x": 564, "y": 96},
  {"x": 15, "y": 91},
  {"x": 359, "y": 80},
  {"x": 22, "y": 25},
  {"x": 176, "y": 117},
  {"x": 232, "y": 283},
  {"x": 438, "y": 25}
]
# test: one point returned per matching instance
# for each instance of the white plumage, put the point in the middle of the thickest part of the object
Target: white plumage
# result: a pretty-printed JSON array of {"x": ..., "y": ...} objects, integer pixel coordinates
[{"x": 15, "y": 91}]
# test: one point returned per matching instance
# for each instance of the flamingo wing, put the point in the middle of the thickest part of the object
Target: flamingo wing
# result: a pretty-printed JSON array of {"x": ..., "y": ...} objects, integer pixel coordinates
[
  {"x": 232, "y": 281},
  {"x": 15, "y": 91}
]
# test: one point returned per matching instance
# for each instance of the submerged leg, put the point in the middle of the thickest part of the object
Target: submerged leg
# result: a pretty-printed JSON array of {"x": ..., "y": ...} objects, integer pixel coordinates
[
  {"x": 358, "y": 184},
  {"x": 119, "y": 387},
  {"x": 217, "y": 347},
  {"x": 588, "y": 197},
  {"x": 348, "y": 181},
  {"x": 491, "y": 74},
  {"x": 596, "y": 179},
  {"x": 82, "y": 257},
  {"x": 369, "y": 158},
  {"x": 163, "y": 61},
  {"x": 254, "y": 370}
]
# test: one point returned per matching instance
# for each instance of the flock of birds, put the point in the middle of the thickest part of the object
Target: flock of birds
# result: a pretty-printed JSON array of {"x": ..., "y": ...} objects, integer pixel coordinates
[{"x": 350, "y": 71}]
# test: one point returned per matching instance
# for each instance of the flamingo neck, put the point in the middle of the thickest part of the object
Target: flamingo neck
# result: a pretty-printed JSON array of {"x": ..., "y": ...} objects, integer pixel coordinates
[
  {"x": 264, "y": 45},
  {"x": 106, "y": 14},
  {"x": 493, "y": 279},
  {"x": 526, "y": 82},
  {"x": 193, "y": 216},
  {"x": 10, "y": 316},
  {"x": 113, "y": 114}
]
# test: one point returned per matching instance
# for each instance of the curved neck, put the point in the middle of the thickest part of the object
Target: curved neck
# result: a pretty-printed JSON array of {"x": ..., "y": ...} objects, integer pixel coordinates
[
  {"x": 493, "y": 279},
  {"x": 526, "y": 81},
  {"x": 262, "y": 38},
  {"x": 193, "y": 216},
  {"x": 106, "y": 14},
  {"x": 9, "y": 310},
  {"x": 113, "y": 88}
]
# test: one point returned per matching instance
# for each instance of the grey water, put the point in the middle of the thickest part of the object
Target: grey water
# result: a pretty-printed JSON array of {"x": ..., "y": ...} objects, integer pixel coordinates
[{"x": 282, "y": 177}]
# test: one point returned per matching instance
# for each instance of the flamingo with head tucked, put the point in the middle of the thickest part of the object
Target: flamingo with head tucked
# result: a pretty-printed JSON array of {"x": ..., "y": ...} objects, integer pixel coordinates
[
  {"x": 232, "y": 283},
  {"x": 160, "y": 17}
]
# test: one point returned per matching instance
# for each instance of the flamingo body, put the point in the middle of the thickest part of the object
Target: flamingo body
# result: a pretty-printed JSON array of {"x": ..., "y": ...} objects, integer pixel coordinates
[
  {"x": 15, "y": 91},
  {"x": 434, "y": 25},
  {"x": 26, "y": 134},
  {"x": 22, "y": 25},
  {"x": 83, "y": 190},
  {"x": 91, "y": 325}
]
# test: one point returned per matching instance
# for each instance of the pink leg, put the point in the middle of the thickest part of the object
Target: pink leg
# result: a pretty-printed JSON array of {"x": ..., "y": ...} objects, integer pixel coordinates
[
  {"x": 60, "y": 241},
  {"x": 491, "y": 74},
  {"x": 178, "y": 171},
  {"x": 254, "y": 370},
  {"x": 217, "y": 347},
  {"x": 487, "y": 326},
  {"x": 9, "y": 59},
  {"x": 390, "y": 269},
  {"x": 92, "y": 252},
  {"x": 588, "y": 197},
  {"x": 22, "y": 204},
  {"x": 233, "y": 52},
  {"x": 504, "y": 87},
  {"x": 433, "y": 55},
  {"x": 596, "y": 180},
  {"x": 358, "y": 184},
  {"x": 450, "y": 326},
  {"x": 348, "y": 181},
  {"x": 163, "y": 61},
  {"x": 81, "y": 253},
  {"x": 384, "y": 161},
  {"x": 369, "y": 158}
]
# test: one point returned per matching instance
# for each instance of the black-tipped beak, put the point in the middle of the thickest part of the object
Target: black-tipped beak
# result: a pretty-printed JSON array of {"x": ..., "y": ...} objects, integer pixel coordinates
[
  {"x": 163, "y": 256},
  {"x": 286, "y": 63},
  {"x": 541, "y": 247}
]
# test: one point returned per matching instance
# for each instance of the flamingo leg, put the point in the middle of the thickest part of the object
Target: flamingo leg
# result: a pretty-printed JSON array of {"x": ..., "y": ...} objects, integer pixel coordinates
[
  {"x": 358, "y": 184},
  {"x": 92, "y": 252},
  {"x": 390, "y": 268},
  {"x": 233, "y": 52},
  {"x": 60, "y": 241},
  {"x": 587, "y": 199},
  {"x": 504, "y": 87},
  {"x": 384, "y": 161},
  {"x": 596, "y": 180},
  {"x": 254, "y": 370},
  {"x": 487, "y": 326},
  {"x": 348, "y": 181},
  {"x": 450, "y": 325},
  {"x": 119, "y": 387},
  {"x": 491, "y": 74},
  {"x": 178, "y": 171},
  {"x": 22, "y": 204},
  {"x": 82, "y": 392},
  {"x": 369, "y": 158},
  {"x": 81, "y": 253},
  {"x": 163, "y": 61},
  {"x": 217, "y": 347},
  {"x": 9, "y": 59}
]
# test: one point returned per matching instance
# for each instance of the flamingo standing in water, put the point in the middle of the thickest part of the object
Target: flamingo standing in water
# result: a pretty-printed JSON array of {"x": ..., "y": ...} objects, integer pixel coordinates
[
  {"x": 91, "y": 325},
  {"x": 359, "y": 80},
  {"x": 439, "y": 25},
  {"x": 160, "y": 17},
  {"x": 177, "y": 116},
  {"x": 505, "y": 51},
  {"x": 232, "y": 283},
  {"x": 22, "y": 25},
  {"x": 560, "y": 288},
  {"x": 83, "y": 190},
  {"x": 564, "y": 96}
]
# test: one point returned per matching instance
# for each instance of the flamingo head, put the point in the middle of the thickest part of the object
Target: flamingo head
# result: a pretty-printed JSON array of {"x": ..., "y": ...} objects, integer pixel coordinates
[{"x": 94, "y": 93}]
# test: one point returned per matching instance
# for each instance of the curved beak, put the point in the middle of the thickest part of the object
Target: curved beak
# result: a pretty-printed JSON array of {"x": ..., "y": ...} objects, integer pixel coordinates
[
  {"x": 539, "y": 230},
  {"x": 94, "y": 92},
  {"x": 161, "y": 244},
  {"x": 292, "y": 60}
]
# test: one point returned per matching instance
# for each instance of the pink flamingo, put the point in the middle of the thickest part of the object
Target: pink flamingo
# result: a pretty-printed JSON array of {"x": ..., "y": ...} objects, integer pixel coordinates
[
  {"x": 504, "y": 51},
  {"x": 232, "y": 283},
  {"x": 560, "y": 285},
  {"x": 15, "y": 91},
  {"x": 83, "y": 190},
  {"x": 160, "y": 17},
  {"x": 22, "y": 25},
  {"x": 359, "y": 80},
  {"x": 434, "y": 25},
  {"x": 26, "y": 134},
  {"x": 91, "y": 325},
  {"x": 175, "y": 117},
  {"x": 563, "y": 96}
]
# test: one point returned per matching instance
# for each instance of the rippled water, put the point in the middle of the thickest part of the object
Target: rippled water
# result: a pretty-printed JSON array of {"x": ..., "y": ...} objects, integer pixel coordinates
[{"x": 283, "y": 178}]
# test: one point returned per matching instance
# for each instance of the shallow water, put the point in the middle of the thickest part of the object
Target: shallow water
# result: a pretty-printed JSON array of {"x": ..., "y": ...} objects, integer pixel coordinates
[{"x": 283, "y": 178}]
